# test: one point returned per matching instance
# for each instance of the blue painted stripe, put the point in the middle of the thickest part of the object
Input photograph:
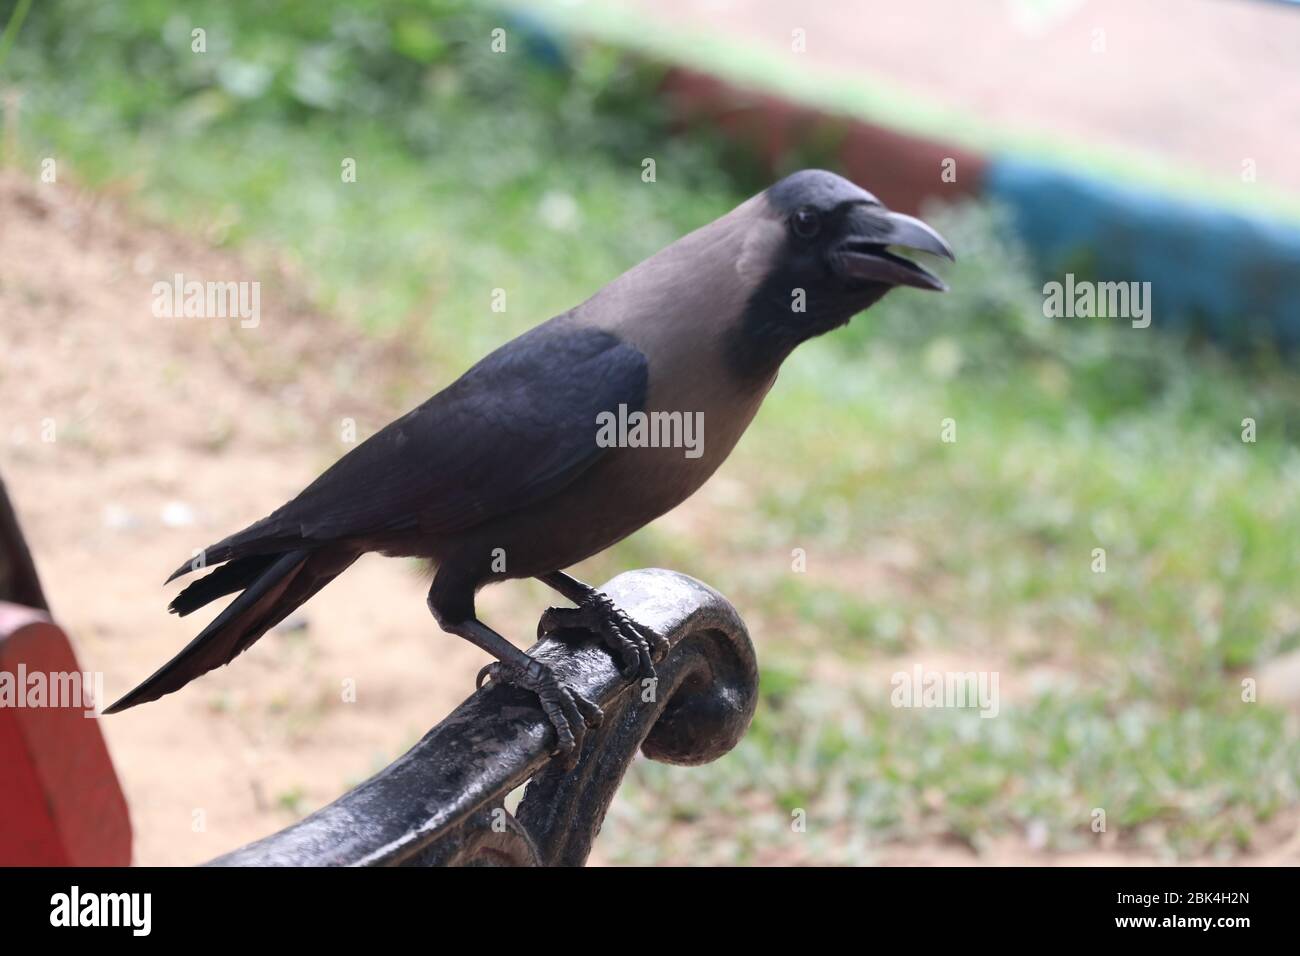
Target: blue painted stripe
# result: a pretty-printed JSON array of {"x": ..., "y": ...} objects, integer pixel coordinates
[{"x": 1233, "y": 276}]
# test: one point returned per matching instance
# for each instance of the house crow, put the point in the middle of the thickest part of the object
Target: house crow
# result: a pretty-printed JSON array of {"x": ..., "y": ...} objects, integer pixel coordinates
[{"x": 504, "y": 473}]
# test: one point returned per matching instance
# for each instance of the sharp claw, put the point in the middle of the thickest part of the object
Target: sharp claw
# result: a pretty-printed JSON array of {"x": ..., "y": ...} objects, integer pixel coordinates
[
  {"x": 631, "y": 661},
  {"x": 569, "y": 713},
  {"x": 622, "y": 631},
  {"x": 636, "y": 648},
  {"x": 636, "y": 655},
  {"x": 592, "y": 715},
  {"x": 570, "y": 725},
  {"x": 645, "y": 666},
  {"x": 564, "y": 739},
  {"x": 656, "y": 646}
]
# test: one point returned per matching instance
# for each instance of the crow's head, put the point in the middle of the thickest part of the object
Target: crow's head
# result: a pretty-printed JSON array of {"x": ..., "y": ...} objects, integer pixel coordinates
[
  {"x": 838, "y": 234},
  {"x": 820, "y": 252}
]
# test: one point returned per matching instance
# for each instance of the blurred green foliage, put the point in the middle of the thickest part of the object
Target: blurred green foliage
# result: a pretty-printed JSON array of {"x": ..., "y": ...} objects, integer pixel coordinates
[
  {"x": 475, "y": 170},
  {"x": 522, "y": 171},
  {"x": 389, "y": 60}
]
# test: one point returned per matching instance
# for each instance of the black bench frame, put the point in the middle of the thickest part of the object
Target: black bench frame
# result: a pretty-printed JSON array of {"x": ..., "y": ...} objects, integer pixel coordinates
[{"x": 443, "y": 802}]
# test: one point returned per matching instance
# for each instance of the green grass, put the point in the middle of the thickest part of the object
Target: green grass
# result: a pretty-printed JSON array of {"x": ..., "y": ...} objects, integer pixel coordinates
[
  {"x": 865, "y": 773},
  {"x": 477, "y": 173},
  {"x": 1143, "y": 716},
  {"x": 450, "y": 200}
]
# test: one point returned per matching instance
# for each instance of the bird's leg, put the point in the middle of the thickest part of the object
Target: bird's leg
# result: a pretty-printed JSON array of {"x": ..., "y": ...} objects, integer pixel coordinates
[
  {"x": 636, "y": 645},
  {"x": 569, "y": 712}
]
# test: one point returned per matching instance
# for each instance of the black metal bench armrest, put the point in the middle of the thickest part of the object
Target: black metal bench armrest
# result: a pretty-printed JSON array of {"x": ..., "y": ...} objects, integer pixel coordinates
[{"x": 442, "y": 803}]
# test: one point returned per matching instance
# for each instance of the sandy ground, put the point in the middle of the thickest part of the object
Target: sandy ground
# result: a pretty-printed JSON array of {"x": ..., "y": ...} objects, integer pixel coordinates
[
  {"x": 168, "y": 434},
  {"x": 1205, "y": 84}
]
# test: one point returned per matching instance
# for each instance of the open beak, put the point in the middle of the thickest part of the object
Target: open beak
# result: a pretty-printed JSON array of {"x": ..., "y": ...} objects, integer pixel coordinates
[{"x": 863, "y": 254}]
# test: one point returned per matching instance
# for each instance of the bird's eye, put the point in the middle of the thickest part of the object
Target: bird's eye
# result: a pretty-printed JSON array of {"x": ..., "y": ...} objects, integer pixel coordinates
[{"x": 805, "y": 222}]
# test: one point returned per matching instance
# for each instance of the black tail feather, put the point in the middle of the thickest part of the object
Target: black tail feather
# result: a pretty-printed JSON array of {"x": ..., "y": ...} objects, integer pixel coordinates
[
  {"x": 242, "y": 622},
  {"x": 226, "y": 579}
]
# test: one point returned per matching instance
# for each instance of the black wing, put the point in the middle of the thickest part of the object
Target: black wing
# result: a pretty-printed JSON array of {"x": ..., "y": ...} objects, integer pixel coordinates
[{"x": 514, "y": 429}]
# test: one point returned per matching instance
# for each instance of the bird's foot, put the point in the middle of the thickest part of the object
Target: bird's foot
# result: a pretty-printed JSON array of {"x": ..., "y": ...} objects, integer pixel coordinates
[
  {"x": 635, "y": 645},
  {"x": 569, "y": 712}
]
